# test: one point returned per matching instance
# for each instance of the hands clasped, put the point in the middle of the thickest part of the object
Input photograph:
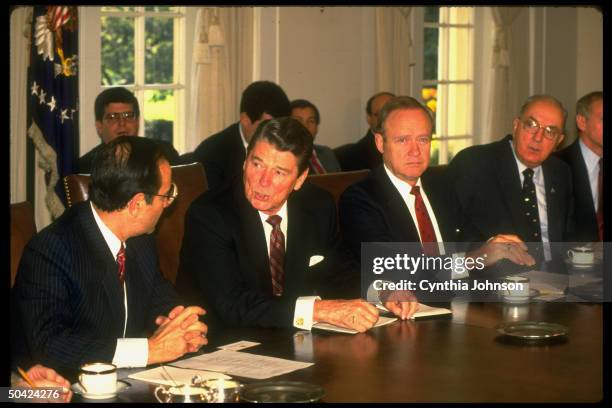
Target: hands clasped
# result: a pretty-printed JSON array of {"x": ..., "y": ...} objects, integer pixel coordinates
[
  {"x": 178, "y": 333},
  {"x": 505, "y": 246}
]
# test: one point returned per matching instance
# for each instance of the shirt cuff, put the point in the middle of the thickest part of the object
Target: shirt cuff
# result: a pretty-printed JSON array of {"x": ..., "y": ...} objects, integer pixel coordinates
[
  {"x": 131, "y": 353},
  {"x": 304, "y": 312},
  {"x": 461, "y": 273}
]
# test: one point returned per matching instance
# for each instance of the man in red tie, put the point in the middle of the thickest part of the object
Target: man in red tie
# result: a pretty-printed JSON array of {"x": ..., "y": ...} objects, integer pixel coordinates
[
  {"x": 264, "y": 252},
  {"x": 404, "y": 201}
]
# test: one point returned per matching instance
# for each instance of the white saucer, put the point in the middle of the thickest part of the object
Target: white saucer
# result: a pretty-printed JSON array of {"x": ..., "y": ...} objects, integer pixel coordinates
[
  {"x": 582, "y": 265},
  {"x": 521, "y": 299},
  {"x": 77, "y": 388}
]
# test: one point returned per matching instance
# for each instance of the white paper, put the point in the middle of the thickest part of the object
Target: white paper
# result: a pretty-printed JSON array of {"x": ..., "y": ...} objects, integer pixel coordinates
[
  {"x": 242, "y": 364},
  {"x": 382, "y": 321},
  {"x": 422, "y": 311},
  {"x": 177, "y": 375},
  {"x": 239, "y": 345}
]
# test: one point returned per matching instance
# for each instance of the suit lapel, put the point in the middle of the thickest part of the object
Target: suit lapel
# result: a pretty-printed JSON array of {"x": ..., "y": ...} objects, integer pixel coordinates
[
  {"x": 553, "y": 211},
  {"x": 104, "y": 264},
  {"x": 582, "y": 184}
]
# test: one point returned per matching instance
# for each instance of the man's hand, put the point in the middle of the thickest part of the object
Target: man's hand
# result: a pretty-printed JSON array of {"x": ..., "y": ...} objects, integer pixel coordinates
[
  {"x": 178, "y": 335},
  {"x": 356, "y": 314},
  {"x": 47, "y": 377},
  {"x": 402, "y": 303},
  {"x": 504, "y": 246},
  {"x": 192, "y": 338}
]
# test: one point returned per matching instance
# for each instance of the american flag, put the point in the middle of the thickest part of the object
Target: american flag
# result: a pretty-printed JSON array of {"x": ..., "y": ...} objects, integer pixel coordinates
[{"x": 53, "y": 97}]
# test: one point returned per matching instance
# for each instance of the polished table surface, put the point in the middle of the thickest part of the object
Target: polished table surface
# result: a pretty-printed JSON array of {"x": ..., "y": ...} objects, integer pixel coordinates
[{"x": 448, "y": 360}]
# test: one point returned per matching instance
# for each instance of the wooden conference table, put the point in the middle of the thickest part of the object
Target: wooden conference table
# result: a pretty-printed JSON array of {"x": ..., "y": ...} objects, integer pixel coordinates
[{"x": 453, "y": 360}]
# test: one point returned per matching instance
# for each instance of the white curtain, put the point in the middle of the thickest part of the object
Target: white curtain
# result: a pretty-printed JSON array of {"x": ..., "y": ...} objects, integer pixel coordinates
[
  {"x": 500, "y": 111},
  {"x": 19, "y": 54},
  {"x": 394, "y": 52},
  {"x": 222, "y": 68}
]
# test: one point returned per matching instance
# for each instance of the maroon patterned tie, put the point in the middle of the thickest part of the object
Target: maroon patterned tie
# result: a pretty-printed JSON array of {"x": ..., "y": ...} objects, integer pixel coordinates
[
  {"x": 121, "y": 264},
  {"x": 600, "y": 200},
  {"x": 316, "y": 165},
  {"x": 426, "y": 228},
  {"x": 277, "y": 255}
]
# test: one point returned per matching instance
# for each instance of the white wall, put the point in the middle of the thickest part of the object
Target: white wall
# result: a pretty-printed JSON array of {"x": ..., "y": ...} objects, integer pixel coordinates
[{"x": 589, "y": 55}]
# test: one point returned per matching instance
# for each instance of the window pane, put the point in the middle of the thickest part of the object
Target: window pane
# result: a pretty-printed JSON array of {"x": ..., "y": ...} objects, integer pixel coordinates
[
  {"x": 429, "y": 96},
  {"x": 456, "y": 101},
  {"x": 434, "y": 153},
  {"x": 117, "y": 8},
  {"x": 159, "y": 50},
  {"x": 461, "y": 15},
  {"x": 117, "y": 47},
  {"x": 460, "y": 54},
  {"x": 159, "y": 109},
  {"x": 159, "y": 8},
  {"x": 430, "y": 51},
  {"x": 431, "y": 14},
  {"x": 454, "y": 146}
]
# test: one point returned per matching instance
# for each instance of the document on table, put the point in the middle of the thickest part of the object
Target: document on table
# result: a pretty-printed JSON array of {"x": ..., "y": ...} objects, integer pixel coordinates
[
  {"x": 177, "y": 375},
  {"x": 242, "y": 364},
  {"x": 382, "y": 321}
]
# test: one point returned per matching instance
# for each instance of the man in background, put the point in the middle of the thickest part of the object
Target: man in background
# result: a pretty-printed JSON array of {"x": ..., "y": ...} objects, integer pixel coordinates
[
  {"x": 323, "y": 159},
  {"x": 223, "y": 153}
]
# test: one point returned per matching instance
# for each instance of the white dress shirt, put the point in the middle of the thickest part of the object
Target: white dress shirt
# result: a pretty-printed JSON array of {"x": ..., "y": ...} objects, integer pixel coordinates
[
  {"x": 592, "y": 164},
  {"x": 130, "y": 352}
]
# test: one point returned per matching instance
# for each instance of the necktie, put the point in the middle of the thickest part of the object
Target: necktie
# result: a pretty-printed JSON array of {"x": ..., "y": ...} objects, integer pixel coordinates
[
  {"x": 600, "y": 200},
  {"x": 277, "y": 255},
  {"x": 316, "y": 165},
  {"x": 121, "y": 264},
  {"x": 530, "y": 205},
  {"x": 426, "y": 228}
]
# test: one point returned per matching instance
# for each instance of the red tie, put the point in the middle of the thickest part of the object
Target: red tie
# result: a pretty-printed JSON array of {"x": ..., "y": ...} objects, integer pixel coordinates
[
  {"x": 121, "y": 264},
  {"x": 600, "y": 200},
  {"x": 277, "y": 255},
  {"x": 316, "y": 164},
  {"x": 426, "y": 228}
]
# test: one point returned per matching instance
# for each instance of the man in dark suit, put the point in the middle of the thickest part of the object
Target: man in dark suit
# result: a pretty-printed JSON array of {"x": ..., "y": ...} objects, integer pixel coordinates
[
  {"x": 405, "y": 201},
  {"x": 585, "y": 158},
  {"x": 222, "y": 154},
  {"x": 88, "y": 286},
  {"x": 260, "y": 251},
  {"x": 118, "y": 114},
  {"x": 515, "y": 185},
  {"x": 323, "y": 159},
  {"x": 363, "y": 154}
]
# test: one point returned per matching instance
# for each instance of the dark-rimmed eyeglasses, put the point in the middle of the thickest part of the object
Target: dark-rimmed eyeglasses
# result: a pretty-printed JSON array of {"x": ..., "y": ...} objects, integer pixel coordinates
[
  {"x": 117, "y": 116},
  {"x": 171, "y": 196},
  {"x": 532, "y": 126}
]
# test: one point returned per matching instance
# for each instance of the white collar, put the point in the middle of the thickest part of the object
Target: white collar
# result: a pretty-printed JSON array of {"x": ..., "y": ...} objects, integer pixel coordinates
[
  {"x": 403, "y": 187},
  {"x": 590, "y": 158},
  {"x": 282, "y": 213},
  {"x": 244, "y": 142},
  {"x": 114, "y": 243}
]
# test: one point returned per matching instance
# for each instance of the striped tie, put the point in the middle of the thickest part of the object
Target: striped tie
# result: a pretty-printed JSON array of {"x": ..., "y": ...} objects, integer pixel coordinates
[
  {"x": 277, "y": 255},
  {"x": 121, "y": 264}
]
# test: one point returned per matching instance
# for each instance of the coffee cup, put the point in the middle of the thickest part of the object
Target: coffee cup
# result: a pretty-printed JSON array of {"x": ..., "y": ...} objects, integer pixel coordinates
[
  {"x": 581, "y": 255},
  {"x": 516, "y": 287},
  {"x": 99, "y": 379}
]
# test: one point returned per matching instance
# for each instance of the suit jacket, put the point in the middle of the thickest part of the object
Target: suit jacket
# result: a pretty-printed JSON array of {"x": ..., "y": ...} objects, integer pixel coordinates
[
  {"x": 327, "y": 158},
  {"x": 584, "y": 208},
  {"x": 225, "y": 257},
  {"x": 68, "y": 295},
  {"x": 222, "y": 156},
  {"x": 84, "y": 164},
  {"x": 360, "y": 155},
  {"x": 488, "y": 191}
]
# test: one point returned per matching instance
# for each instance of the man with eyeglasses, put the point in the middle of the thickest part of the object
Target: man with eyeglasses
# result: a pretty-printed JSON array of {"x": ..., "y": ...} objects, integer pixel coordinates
[
  {"x": 89, "y": 288},
  {"x": 118, "y": 114},
  {"x": 516, "y": 185},
  {"x": 585, "y": 158}
]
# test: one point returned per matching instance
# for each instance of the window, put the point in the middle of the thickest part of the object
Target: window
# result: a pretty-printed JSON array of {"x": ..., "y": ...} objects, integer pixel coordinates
[
  {"x": 447, "y": 85},
  {"x": 141, "y": 49}
]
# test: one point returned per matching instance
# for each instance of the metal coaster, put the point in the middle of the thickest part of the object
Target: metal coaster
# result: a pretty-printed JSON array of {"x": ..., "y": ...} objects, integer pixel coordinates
[
  {"x": 281, "y": 391},
  {"x": 532, "y": 331}
]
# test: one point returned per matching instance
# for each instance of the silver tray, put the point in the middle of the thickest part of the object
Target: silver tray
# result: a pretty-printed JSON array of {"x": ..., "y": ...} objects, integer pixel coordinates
[
  {"x": 532, "y": 330},
  {"x": 281, "y": 391}
]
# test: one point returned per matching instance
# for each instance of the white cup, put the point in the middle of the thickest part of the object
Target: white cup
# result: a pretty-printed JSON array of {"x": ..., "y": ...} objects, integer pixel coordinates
[
  {"x": 581, "y": 255},
  {"x": 99, "y": 378},
  {"x": 516, "y": 287}
]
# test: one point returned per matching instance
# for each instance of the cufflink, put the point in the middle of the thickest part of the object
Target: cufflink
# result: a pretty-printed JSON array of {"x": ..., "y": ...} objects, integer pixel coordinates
[{"x": 299, "y": 321}]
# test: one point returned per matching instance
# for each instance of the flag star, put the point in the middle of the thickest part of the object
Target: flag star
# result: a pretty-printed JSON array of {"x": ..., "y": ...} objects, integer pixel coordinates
[
  {"x": 64, "y": 115},
  {"x": 52, "y": 103},
  {"x": 41, "y": 97},
  {"x": 35, "y": 88}
]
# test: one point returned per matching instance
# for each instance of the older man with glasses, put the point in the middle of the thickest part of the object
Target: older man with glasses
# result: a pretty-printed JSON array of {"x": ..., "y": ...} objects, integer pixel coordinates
[
  {"x": 515, "y": 185},
  {"x": 118, "y": 114}
]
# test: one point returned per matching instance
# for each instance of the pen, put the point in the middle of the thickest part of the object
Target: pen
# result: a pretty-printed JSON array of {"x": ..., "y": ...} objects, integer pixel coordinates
[{"x": 24, "y": 375}]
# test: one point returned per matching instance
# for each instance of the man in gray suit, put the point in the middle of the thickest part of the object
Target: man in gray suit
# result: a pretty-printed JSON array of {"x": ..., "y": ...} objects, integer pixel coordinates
[{"x": 323, "y": 159}]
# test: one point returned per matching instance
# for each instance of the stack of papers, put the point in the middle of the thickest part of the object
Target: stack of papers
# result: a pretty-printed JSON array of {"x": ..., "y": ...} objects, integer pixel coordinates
[
  {"x": 177, "y": 376},
  {"x": 382, "y": 321}
]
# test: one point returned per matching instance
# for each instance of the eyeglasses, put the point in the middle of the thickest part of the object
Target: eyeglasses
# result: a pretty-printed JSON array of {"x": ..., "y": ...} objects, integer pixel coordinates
[
  {"x": 115, "y": 117},
  {"x": 172, "y": 194},
  {"x": 532, "y": 126},
  {"x": 402, "y": 140}
]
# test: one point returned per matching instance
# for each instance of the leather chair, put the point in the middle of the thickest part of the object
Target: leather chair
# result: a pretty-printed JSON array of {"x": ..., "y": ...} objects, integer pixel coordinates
[
  {"x": 336, "y": 183},
  {"x": 23, "y": 229},
  {"x": 191, "y": 182}
]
